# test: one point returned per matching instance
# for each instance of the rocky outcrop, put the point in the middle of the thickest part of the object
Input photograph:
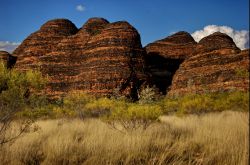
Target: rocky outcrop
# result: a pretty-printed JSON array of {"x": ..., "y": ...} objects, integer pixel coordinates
[
  {"x": 97, "y": 58},
  {"x": 42, "y": 42},
  {"x": 7, "y": 59},
  {"x": 103, "y": 59},
  {"x": 212, "y": 72},
  {"x": 177, "y": 46},
  {"x": 216, "y": 41},
  {"x": 217, "y": 65},
  {"x": 179, "y": 65},
  {"x": 164, "y": 57}
]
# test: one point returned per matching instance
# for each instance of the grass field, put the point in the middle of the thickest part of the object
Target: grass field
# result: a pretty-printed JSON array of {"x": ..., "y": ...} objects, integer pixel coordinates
[{"x": 210, "y": 139}]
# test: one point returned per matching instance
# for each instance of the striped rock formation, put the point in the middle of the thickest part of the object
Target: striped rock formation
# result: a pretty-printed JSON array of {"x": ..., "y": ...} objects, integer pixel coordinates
[
  {"x": 218, "y": 66},
  {"x": 97, "y": 58},
  {"x": 164, "y": 57},
  {"x": 177, "y": 46},
  {"x": 42, "y": 42},
  {"x": 7, "y": 59},
  {"x": 216, "y": 41}
]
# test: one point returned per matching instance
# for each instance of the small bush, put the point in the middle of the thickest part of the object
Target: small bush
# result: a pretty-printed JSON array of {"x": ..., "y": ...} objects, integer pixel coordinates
[
  {"x": 75, "y": 103},
  {"x": 170, "y": 105},
  {"x": 48, "y": 111},
  {"x": 237, "y": 101},
  {"x": 86, "y": 106},
  {"x": 133, "y": 116},
  {"x": 195, "y": 103},
  {"x": 105, "y": 106},
  {"x": 149, "y": 95}
]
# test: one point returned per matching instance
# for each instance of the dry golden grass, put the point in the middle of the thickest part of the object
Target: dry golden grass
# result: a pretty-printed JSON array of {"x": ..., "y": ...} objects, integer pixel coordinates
[{"x": 216, "y": 139}]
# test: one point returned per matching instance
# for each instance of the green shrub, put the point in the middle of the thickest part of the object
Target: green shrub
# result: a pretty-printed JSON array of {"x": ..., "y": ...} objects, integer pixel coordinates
[
  {"x": 18, "y": 90},
  {"x": 75, "y": 102},
  {"x": 132, "y": 116},
  {"x": 195, "y": 103},
  {"x": 210, "y": 102},
  {"x": 105, "y": 106},
  {"x": 37, "y": 112},
  {"x": 236, "y": 101},
  {"x": 170, "y": 105}
]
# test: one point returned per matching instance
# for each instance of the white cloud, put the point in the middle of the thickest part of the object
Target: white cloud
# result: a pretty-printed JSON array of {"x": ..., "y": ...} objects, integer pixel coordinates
[
  {"x": 80, "y": 8},
  {"x": 8, "y": 46},
  {"x": 172, "y": 32},
  {"x": 240, "y": 37}
]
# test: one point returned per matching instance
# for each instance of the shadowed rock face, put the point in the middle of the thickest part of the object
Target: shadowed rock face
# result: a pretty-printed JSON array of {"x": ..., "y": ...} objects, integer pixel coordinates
[
  {"x": 8, "y": 60},
  {"x": 96, "y": 58},
  {"x": 164, "y": 57}
]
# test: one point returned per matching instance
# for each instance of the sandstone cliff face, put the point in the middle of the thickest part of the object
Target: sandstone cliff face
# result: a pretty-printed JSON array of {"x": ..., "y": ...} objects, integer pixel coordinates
[
  {"x": 164, "y": 57},
  {"x": 216, "y": 41},
  {"x": 7, "y": 59},
  {"x": 179, "y": 65},
  {"x": 102, "y": 57},
  {"x": 96, "y": 58},
  {"x": 177, "y": 46},
  {"x": 218, "y": 65},
  {"x": 42, "y": 42},
  {"x": 212, "y": 72}
]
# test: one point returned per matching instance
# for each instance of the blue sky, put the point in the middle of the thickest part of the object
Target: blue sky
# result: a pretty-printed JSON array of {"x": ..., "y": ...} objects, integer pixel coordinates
[{"x": 154, "y": 19}]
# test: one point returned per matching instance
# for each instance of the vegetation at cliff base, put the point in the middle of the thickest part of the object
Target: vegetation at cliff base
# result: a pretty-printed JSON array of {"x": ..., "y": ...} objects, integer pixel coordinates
[{"x": 210, "y": 128}]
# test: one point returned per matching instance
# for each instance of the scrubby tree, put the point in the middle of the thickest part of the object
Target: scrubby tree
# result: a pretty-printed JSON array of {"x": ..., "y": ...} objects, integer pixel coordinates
[
  {"x": 126, "y": 116},
  {"x": 18, "y": 91}
]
